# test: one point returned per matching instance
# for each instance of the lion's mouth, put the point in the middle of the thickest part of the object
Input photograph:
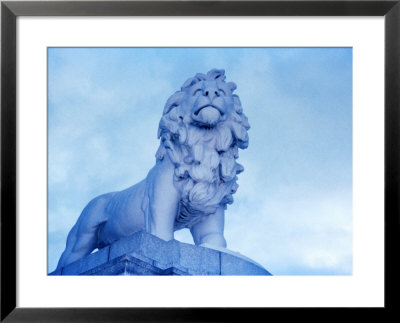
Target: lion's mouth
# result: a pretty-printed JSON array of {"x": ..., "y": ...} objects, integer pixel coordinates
[
  {"x": 207, "y": 116},
  {"x": 221, "y": 112}
]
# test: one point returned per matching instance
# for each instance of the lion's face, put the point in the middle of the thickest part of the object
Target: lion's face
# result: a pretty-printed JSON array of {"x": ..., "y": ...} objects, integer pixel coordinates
[{"x": 208, "y": 102}]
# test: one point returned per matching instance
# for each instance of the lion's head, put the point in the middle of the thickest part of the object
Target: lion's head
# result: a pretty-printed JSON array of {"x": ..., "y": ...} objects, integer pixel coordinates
[{"x": 201, "y": 129}]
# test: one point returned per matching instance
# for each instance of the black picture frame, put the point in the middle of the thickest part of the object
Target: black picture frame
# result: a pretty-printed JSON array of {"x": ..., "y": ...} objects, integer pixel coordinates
[{"x": 10, "y": 10}]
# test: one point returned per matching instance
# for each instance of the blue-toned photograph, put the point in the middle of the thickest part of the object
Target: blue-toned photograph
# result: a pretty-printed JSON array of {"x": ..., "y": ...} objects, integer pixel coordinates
[{"x": 200, "y": 161}]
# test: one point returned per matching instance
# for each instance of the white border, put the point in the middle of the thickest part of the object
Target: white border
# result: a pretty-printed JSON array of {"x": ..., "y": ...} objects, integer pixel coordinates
[{"x": 363, "y": 288}]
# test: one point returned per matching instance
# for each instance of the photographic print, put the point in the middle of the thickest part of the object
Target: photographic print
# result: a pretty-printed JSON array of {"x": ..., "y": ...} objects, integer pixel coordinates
[{"x": 200, "y": 161}]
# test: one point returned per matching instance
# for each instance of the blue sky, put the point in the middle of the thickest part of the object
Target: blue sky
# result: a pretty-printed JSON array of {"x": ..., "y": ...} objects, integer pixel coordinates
[{"x": 293, "y": 209}]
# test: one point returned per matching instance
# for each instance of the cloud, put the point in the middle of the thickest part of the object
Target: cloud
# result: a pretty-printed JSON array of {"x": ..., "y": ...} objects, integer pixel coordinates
[{"x": 302, "y": 230}]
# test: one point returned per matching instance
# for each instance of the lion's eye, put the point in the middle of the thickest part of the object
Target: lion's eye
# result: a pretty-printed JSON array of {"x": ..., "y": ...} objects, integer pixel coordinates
[{"x": 197, "y": 92}]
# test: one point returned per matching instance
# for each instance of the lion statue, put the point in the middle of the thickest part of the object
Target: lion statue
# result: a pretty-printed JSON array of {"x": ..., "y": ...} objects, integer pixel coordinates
[{"x": 193, "y": 180}]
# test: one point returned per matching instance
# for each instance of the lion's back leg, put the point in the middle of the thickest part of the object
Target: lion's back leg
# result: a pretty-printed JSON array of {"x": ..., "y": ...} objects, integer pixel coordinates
[
  {"x": 68, "y": 252},
  {"x": 82, "y": 239}
]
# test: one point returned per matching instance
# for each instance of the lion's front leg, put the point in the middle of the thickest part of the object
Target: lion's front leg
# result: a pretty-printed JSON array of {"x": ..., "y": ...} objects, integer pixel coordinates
[
  {"x": 210, "y": 231},
  {"x": 163, "y": 200}
]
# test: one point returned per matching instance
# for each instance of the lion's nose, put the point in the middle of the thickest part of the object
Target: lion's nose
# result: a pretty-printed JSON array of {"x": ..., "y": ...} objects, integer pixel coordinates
[{"x": 211, "y": 93}]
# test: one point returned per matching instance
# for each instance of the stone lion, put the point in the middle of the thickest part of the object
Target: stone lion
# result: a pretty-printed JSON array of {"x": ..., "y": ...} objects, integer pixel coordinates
[{"x": 192, "y": 182}]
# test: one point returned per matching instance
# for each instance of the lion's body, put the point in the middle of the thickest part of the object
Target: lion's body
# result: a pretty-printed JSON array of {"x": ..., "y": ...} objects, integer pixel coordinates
[{"x": 191, "y": 183}]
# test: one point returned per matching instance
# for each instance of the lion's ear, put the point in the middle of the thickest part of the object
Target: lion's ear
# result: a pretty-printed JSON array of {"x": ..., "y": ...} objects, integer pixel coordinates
[{"x": 216, "y": 74}]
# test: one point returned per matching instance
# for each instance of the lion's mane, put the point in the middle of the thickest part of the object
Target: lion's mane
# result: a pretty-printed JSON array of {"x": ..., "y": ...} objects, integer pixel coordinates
[{"x": 204, "y": 158}]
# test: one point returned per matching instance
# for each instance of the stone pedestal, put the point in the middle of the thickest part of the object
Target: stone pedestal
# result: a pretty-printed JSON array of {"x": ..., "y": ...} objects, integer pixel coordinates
[{"x": 145, "y": 254}]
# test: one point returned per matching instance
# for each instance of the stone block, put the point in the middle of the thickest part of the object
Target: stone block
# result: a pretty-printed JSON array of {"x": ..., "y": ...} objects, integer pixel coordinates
[
  {"x": 93, "y": 260},
  {"x": 145, "y": 254},
  {"x": 143, "y": 244},
  {"x": 236, "y": 265},
  {"x": 125, "y": 245},
  {"x": 199, "y": 260}
]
